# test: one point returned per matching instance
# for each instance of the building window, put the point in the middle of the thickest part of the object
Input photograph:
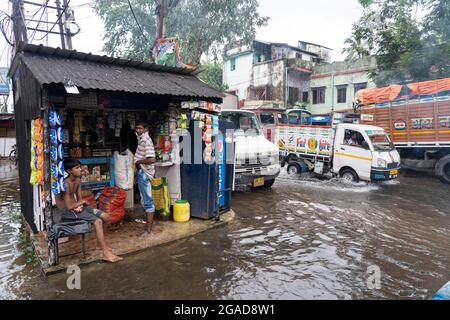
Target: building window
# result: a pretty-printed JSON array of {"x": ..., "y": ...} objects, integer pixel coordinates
[
  {"x": 360, "y": 86},
  {"x": 305, "y": 96},
  {"x": 299, "y": 56},
  {"x": 318, "y": 95},
  {"x": 259, "y": 93},
  {"x": 341, "y": 94},
  {"x": 233, "y": 64}
]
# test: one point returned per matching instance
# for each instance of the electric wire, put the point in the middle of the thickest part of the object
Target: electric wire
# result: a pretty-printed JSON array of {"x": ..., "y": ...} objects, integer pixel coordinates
[
  {"x": 135, "y": 19},
  {"x": 44, "y": 5},
  {"x": 5, "y": 26},
  {"x": 57, "y": 21}
]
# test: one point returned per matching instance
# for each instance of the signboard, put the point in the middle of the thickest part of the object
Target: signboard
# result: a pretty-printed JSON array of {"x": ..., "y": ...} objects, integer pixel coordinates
[
  {"x": 4, "y": 82},
  {"x": 209, "y": 106},
  {"x": 305, "y": 140},
  {"x": 367, "y": 117}
]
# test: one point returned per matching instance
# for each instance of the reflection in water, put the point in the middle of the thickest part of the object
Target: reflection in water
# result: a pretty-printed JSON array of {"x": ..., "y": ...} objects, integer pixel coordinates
[
  {"x": 11, "y": 263},
  {"x": 304, "y": 239}
]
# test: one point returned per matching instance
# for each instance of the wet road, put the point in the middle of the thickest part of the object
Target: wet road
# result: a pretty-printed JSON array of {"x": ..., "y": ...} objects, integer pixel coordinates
[
  {"x": 12, "y": 261},
  {"x": 304, "y": 239}
]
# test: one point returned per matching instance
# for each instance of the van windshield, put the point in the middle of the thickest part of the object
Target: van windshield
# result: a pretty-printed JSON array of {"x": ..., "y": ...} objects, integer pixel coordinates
[
  {"x": 380, "y": 140},
  {"x": 244, "y": 123}
]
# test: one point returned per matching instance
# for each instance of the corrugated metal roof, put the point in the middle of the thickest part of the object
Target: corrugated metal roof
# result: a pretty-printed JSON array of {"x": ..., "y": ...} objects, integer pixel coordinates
[{"x": 88, "y": 71}]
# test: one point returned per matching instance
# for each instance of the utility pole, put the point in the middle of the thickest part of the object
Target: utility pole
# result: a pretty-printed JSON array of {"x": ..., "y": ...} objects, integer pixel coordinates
[
  {"x": 19, "y": 27},
  {"x": 61, "y": 29},
  {"x": 67, "y": 17}
]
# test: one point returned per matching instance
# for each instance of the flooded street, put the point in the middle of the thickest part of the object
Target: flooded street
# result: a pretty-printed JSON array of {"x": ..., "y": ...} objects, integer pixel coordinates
[
  {"x": 13, "y": 266},
  {"x": 303, "y": 239}
]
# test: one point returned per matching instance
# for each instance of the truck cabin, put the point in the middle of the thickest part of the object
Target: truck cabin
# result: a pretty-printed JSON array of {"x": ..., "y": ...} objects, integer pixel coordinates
[
  {"x": 269, "y": 115},
  {"x": 299, "y": 116},
  {"x": 378, "y": 139}
]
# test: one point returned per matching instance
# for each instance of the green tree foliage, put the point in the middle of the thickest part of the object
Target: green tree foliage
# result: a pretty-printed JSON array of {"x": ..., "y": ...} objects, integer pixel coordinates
[
  {"x": 202, "y": 26},
  {"x": 407, "y": 48},
  {"x": 123, "y": 36},
  {"x": 212, "y": 74}
]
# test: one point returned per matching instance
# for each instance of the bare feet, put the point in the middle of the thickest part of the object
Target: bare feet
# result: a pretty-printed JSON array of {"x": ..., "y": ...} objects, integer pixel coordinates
[
  {"x": 110, "y": 257},
  {"x": 97, "y": 247},
  {"x": 146, "y": 233}
]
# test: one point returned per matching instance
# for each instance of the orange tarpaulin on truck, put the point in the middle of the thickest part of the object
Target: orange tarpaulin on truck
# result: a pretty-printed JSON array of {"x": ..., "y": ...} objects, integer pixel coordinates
[
  {"x": 391, "y": 93},
  {"x": 429, "y": 87},
  {"x": 378, "y": 95}
]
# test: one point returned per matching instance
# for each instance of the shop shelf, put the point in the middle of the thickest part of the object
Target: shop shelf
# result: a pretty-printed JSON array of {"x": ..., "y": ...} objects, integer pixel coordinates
[{"x": 99, "y": 184}]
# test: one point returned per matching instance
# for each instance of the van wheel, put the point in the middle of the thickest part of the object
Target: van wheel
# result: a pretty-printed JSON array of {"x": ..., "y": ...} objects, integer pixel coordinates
[
  {"x": 443, "y": 169},
  {"x": 349, "y": 176},
  {"x": 294, "y": 168},
  {"x": 269, "y": 183}
]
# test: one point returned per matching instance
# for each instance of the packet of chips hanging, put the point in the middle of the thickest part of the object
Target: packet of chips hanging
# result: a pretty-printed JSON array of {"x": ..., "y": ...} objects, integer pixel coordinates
[
  {"x": 33, "y": 162},
  {"x": 207, "y": 136},
  {"x": 183, "y": 121}
]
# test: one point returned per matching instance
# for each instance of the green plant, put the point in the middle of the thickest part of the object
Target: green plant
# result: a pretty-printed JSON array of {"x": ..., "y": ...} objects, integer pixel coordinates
[
  {"x": 26, "y": 247},
  {"x": 15, "y": 216}
]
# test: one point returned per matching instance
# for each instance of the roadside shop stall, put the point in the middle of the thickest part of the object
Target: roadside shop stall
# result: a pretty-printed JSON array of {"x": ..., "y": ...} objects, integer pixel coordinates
[{"x": 84, "y": 106}]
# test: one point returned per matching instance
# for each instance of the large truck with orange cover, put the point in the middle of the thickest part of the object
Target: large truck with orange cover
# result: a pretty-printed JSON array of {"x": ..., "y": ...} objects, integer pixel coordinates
[{"x": 417, "y": 117}]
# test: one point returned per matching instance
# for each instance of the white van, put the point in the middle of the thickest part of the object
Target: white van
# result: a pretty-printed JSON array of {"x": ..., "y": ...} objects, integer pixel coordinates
[{"x": 257, "y": 159}]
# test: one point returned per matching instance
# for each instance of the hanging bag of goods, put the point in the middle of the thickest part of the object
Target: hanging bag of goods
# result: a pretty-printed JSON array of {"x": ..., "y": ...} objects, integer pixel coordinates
[
  {"x": 112, "y": 201},
  {"x": 56, "y": 153},
  {"x": 124, "y": 169},
  {"x": 160, "y": 194},
  {"x": 37, "y": 154}
]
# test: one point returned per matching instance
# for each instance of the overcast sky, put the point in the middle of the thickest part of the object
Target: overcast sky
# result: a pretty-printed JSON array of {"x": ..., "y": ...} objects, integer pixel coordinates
[{"x": 326, "y": 22}]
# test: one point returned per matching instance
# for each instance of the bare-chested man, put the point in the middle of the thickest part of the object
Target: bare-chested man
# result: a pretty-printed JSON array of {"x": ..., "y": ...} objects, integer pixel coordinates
[{"x": 75, "y": 208}]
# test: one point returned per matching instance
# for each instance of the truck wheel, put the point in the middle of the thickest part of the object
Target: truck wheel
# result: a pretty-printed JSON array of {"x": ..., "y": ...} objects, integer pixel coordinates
[
  {"x": 269, "y": 183},
  {"x": 349, "y": 176},
  {"x": 294, "y": 168},
  {"x": 443, "y": 169}
]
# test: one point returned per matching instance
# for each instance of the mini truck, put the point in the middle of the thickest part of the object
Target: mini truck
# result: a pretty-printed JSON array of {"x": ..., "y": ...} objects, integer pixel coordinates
[{"x": 350, "y": 150}]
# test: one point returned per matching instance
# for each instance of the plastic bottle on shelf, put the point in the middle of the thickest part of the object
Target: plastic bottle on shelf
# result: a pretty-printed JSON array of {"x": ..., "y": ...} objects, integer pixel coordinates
[{"x": 167, "y": 144}]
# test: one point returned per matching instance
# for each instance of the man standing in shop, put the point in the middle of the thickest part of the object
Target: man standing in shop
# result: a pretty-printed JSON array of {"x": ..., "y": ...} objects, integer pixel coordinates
[{"x": 145, "y": 171}]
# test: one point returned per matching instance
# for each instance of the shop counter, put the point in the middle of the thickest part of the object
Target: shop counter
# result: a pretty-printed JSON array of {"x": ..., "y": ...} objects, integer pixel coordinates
[{"x": 163, "y": 164}]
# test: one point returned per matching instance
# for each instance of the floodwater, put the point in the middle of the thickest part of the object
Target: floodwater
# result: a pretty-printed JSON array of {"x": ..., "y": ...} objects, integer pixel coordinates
[{"x": 303, "y": 239}]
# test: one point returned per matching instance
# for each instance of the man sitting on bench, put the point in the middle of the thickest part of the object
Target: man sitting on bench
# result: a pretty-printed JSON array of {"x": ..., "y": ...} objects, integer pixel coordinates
[{"x": 73, "y": 207}]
